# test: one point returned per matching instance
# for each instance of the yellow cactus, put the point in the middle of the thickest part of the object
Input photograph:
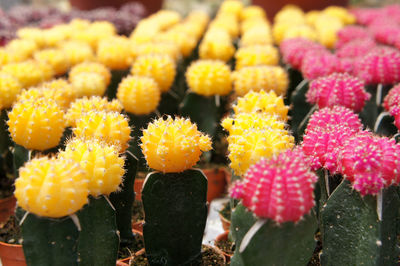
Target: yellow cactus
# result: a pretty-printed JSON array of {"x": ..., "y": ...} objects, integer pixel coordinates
[
  {"x": 55, "y": 58},
  {"x": 166, "y": 18},
  {"x": 341, "y": 13},
  {"x": 256, "y": 55},
  {"x": 209, "y": 77},
  {"x": 253, "y": 144},
  {"x": 185, "y": 42},
  {"x": 217, "y": 45},
  {"x": 173, "y": 145},
  {"x": 279, "y": 31},
  {"x": 139, "y": 95},
  {"x": 115, "y": 52},
  {"x": 312, "y": 16},
  {"x": 254, "y": 121},
  {"x": 251, "y": 12},
  {"x": 36, "y": 124},
  {"x": 258, "y": 78},
  {"x": 111, "y": 127},
  {"x": 102, "y": 163},
  {"x": 254, "y": 22},
  {"x": 290, "y": 13},
  {"x": 233, "y": 7},
  {"x": 51, "y": 187},
  {"x": 32, "y": 34},
  {"x": 268, "y": 103},
  {"x": 9, "y": 89},
  {"x": 257, "y": 35},
  {"x": 156, "y": 48},
  {"x": 63, "y": 96},
  {"x": 28, "y": 73},
  {"x": 88, "y": 84},
  {"x": 77, "y": 52},
  {"x": 227, "y": 22},
  {"x": 93, "y": 67},
  {"x": 85, "y": 105},
  {"x": 22, "y": 49},
  {"x": 301, "y": 31},
  {"x": 94, "y": 33},
  {"x": 161, "y": 68}
]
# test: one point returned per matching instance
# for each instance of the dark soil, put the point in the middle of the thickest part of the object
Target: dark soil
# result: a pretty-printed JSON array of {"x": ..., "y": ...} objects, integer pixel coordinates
[
  {"x": 209, "y": 257},
  {"x": 226, "y": 246},
  {"x": 128, "y": 251},
  {"x": 226, "y": 211},
  {"x": 10, "y": 231},
  {"x": 315, "y": 258},
  {"x": 137, "y": 211}
]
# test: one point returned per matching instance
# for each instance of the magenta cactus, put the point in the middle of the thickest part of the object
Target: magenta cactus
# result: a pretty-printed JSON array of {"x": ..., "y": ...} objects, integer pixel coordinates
[
  {"x": 392, "y": 100},
  {"x": 346, "y": 65},
  {"x": 351, "y": 33},
  {"x": 386, "y": 33},
  {"x": 279, "y": 188},
  {"x": 338, "y": 89},
  {"x": 380, "y": 65},
  {"x": 356, "y": 48},
  {"x": 327, "y": 118},
  {"x": 294, "y": 50},
  {"x": 370, "y": 162},
  {"x": 318, "y": 64}
]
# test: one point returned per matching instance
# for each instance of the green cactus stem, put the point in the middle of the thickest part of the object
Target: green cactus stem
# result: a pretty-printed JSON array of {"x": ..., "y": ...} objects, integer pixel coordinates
[
  {"x": 116, "y": 77},
  {"x": 175, "y": 206},
  {"x": 295, "y": 77},
  {"x": 5, "y": 141},
  {"x": 241, "y": 222},
  {"x": 49, "y": 242},
  {"x": 301, "y": 110},
  {"x": 123, "y": 201},
  {"x": 20, "y": 157},
  {"x": 285, "y": 244},
  {"x": 98, "y": 239},
  {"x": 373, "y": 107},
  {"x": 353, "y": 234},
  {"x": 384, "y": 125}
]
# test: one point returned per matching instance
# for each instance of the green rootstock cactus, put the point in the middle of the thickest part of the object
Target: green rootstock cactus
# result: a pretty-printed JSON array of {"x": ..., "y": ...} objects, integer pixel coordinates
[
  {"x": 175, "y": 206},
  {"x": 353, "y": 234}
]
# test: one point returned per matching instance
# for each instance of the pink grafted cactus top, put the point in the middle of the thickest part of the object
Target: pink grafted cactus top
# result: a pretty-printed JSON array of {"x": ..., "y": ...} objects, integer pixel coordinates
[
  {"x": 294, "y": 50},
  {"x": 356, "y": 48},
  {"x": 318, "y": 64},
  {"x": 279, "y": 188},
  {"x": 338, "y": 89},
  {"x": 351, "y": 33}
]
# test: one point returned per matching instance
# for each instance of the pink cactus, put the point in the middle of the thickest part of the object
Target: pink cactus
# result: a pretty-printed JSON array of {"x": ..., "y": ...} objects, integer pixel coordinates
[
  {"x": 319, "y": 64},
  {"x": 279, "y": 188},
  {"x": 351, "y": 33},
  {"x": 356, "y": 48},
  {"x": 386, "y": 33},
  {"x": 392, "y": 100},
  {"x": 346, "y": 65},
  {"x": 380, "y": 65},
  {"x": 365, "y": 16},
  {"x": 328, "y": 118},
  {"x": 294, "y": 50},
  {"x": 370, "y": 162},
  {"x": 338, "y": 89},
  {"x": 322, "y": 146}
]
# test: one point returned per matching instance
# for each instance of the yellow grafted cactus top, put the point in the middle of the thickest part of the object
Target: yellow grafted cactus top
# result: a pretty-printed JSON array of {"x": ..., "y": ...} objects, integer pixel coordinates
[
  {"x": 77, "y": 52},
  {"x": 51, "y": 187},
  {"x": 257, "y": 35},
  {"x": 251, "y": 12},
  {"x": 326, "y": 27},
  {"x": 56, "y": 58},
  {"x": 301, "y": 31},
  {"x": 255, "y": 22},
  {"x": 185, "y": 42},
  {"x": 216, "y": 44},
  {"x": 173, "y": 145},
  {"x": 9, "y": 89},
  {"x": 91, "y": 67},
  {"x": 209, "y": 77},
  {"x": 22, "y": 49},
  {"x": 62, "y": 96},
  {"x": 256, "y": 55},
  {"x": 161, "y": 68},
  {"x": 227, "y": 22},
  {"x": 31, "y": 34},
  {"x": 155, "y": 48},
  {"x": 268, "y": 103},
  {"x": 28, "y": 73},
  {"x": 341, "y": 13},
  {"x": 233, "y": 7},
  {"x": 102, "y": 163},
  {"x": 85, "y": 105},
  {"x": 94, "y": 33},
  {"x": 36, "y": 123},
  {"x": 290, "y": 13},
  {"x": 253, "y": 136},
  {"x": 111, "y": 127},
  {"x": 88, "y": 84},
  {"x": 258, "y": 78},
  {"x": 139, "y": 95},
  {"x": 115, "y": 52},
  {"x": 64, "y": 87}
]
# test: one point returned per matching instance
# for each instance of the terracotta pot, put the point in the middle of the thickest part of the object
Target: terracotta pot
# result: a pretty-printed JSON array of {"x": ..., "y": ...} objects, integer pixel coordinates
[
  {"x": 223, "y": 237},
  {"x": 138, "y": 226},
  {"x": 125, "y": 262},
  {"x": 137, "y": 187},
  {"x": 7, "y": 208},
  {"x": 272, "y": 7},
  {"x": 12, "y": 255},
  {"x": 226, "y": 224},
  {"x": 151, "y": 6},
  {"x": 216, "y": 182}
]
